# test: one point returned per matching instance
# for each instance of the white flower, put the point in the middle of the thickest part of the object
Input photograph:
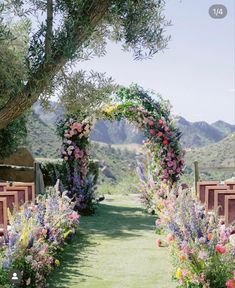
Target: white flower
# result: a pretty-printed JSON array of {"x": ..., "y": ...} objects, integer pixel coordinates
[{"x": 232, "y": 239}]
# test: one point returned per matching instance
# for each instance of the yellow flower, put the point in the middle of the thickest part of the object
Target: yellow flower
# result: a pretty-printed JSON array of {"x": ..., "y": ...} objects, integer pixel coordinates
[
  {"x": 159, "y": 206},
  {"x": 178, "y": 273},
  {"x": 110, "y": 108},
  {"x": 57, "y": 262},
  {"x": 26, "y": 230}
]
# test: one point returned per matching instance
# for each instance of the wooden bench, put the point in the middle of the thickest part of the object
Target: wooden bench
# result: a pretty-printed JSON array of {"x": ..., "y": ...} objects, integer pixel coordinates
[
  {"x": 3, "y": 186},
  {"x": 229, "y": 209},
  {"x": 230, "y": 184},
  {"x": 219, "y": 201},
  {"x": 201, "y": 189},
  {"x": 23, "y": 193},
  {"x": 11, "y": 199},
  {"x": 29, "y": 185},
  {"x": 3, "y": 215},
  {"x": 210, "y": 195}
]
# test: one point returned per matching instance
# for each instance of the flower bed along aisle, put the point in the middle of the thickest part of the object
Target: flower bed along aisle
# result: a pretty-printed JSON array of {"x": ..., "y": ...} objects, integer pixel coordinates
[{"x": 36, "y": 238}]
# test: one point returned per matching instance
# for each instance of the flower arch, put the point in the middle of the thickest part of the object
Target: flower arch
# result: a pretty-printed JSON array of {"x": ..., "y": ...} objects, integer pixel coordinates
[{"x": 151, "y": 116}]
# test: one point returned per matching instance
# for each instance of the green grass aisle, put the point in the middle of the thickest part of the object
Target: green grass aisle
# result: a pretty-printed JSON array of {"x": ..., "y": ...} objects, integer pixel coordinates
[{"x": 115, "y": 249}]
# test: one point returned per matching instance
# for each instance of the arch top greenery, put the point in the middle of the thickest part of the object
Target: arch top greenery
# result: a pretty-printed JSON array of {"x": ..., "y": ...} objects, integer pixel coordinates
[{"x": 152, "y": 117}]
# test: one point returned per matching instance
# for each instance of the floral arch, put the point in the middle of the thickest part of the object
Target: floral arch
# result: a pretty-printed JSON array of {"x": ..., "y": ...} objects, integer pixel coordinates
[{"x": 151, "y": 116}]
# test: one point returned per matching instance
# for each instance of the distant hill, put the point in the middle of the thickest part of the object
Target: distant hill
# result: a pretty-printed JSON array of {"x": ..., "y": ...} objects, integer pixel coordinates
[
  {"x": 198, "y": 134},
  {"x": 220, "y": 154},
  {"x": 194, "y": 134},
  {"x": 42, "y": 139}
]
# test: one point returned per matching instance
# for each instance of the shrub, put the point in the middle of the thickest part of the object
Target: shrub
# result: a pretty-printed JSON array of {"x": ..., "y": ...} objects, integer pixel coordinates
[{"x": 53, "y": 169}]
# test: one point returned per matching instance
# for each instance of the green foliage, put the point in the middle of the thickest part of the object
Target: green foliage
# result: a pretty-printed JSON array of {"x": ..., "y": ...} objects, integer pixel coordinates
[
  {"x": 53, "y": 169},
  {"x": 13, "y": 39},
  {"x": 12, "y": 136},
  {"x": 82, "y": 93}
]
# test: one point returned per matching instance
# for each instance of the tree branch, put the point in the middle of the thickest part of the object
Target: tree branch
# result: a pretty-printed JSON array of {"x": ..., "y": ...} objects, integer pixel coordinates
[
  {"x": 49, "y": 32},
  {"x": 47, "y": 70}
]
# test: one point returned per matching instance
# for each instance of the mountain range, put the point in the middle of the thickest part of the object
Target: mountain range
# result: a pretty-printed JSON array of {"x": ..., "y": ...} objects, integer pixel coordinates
[{"x": 194, "y": 134}]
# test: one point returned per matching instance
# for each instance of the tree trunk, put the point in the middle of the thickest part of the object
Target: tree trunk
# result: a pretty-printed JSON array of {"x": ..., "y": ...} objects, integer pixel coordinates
[{"x": 38, "y": 81}]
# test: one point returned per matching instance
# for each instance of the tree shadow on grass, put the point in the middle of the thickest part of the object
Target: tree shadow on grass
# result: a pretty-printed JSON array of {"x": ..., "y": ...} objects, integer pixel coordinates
[
  {"x": 109, "y": 221},
  {"x": 118, "y": 221},
  {"x": 73, "y": 259}
]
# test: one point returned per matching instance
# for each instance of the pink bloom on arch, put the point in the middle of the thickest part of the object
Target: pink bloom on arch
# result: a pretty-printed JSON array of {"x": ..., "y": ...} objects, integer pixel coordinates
[
  {"x": 160, "y": 122},
  {"x": 159, "y": 134},
  {"x": 220, "y": 249},
  {"x": 165, "y": 141},
  {"x": 230, "y": 283},
  {"x": 152, "y": 132},
  {"x": 67, "y": 135},
  {"x": 79, "y": 153},
  {"x": 151, "y": 123},
  {"x": 77, "y": 126}
]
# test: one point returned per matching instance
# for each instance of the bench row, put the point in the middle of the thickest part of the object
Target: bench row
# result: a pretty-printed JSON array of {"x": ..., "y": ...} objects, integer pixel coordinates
[{"x": 219, "y": 198}]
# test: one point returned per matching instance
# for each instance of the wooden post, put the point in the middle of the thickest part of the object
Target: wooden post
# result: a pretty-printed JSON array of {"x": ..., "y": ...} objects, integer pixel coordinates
[
  {"x": 196, "y": 176},
  {"x": 36, "y": 178}
]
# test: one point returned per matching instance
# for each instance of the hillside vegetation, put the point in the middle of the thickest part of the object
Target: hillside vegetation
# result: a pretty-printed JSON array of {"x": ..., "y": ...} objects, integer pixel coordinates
[{"x": 217, "y": 155}]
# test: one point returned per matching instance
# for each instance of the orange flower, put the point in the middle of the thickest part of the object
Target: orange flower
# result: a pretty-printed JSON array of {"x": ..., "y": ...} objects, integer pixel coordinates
[
  {"x": 210, "y": 236},
  {"x": 182, "y": 258}
]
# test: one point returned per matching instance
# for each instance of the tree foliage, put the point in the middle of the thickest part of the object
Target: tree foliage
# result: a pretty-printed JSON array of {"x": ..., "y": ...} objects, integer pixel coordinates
[
  {"x": 83, "y": 92},
  {"x": 13, "y": 136},
  {"x": 72, "y": 30}
]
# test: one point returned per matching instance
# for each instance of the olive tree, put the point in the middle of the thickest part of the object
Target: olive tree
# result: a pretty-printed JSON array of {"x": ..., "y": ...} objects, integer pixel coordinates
[{"x": 61, "y": 32}]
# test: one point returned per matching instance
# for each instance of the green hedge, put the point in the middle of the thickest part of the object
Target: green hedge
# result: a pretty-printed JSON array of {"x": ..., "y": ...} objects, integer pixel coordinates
[{"x": 52, "y": 169}]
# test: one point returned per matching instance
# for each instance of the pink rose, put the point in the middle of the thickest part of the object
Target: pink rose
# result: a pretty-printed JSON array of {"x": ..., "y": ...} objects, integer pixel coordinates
[
  {"x": 230, "y": 283},
  {"x": 170, "y": 238},
  {"x": 77, "y": 126},
  {"x": 220, "y": 249},
  {"x": 151, "y": 123},
  {"x": 67, "y": 135},
  {"x": 74, "y": 216},
  {"x": 152, "y": 132},
  {"x": 158, "y": 242}
]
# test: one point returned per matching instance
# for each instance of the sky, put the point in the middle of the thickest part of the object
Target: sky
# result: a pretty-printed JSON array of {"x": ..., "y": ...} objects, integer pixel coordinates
[{"x": 195, "y": 72}]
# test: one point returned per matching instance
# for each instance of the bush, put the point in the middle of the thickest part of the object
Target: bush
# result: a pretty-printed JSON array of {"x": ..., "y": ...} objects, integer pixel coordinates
[
  {"x": 12, "y": 137},
  {"x": 53, "y": 169}
]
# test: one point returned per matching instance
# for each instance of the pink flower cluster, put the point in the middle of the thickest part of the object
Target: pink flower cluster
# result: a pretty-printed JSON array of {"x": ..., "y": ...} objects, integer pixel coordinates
[
  {"x": 171, "y": 157},
  {"x": 75, "y": 133},
  {"x": 75, "y": 128}
]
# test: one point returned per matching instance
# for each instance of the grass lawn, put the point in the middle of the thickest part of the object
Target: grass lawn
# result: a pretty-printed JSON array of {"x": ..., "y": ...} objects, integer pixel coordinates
[{"x": 115, "y": 248}]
